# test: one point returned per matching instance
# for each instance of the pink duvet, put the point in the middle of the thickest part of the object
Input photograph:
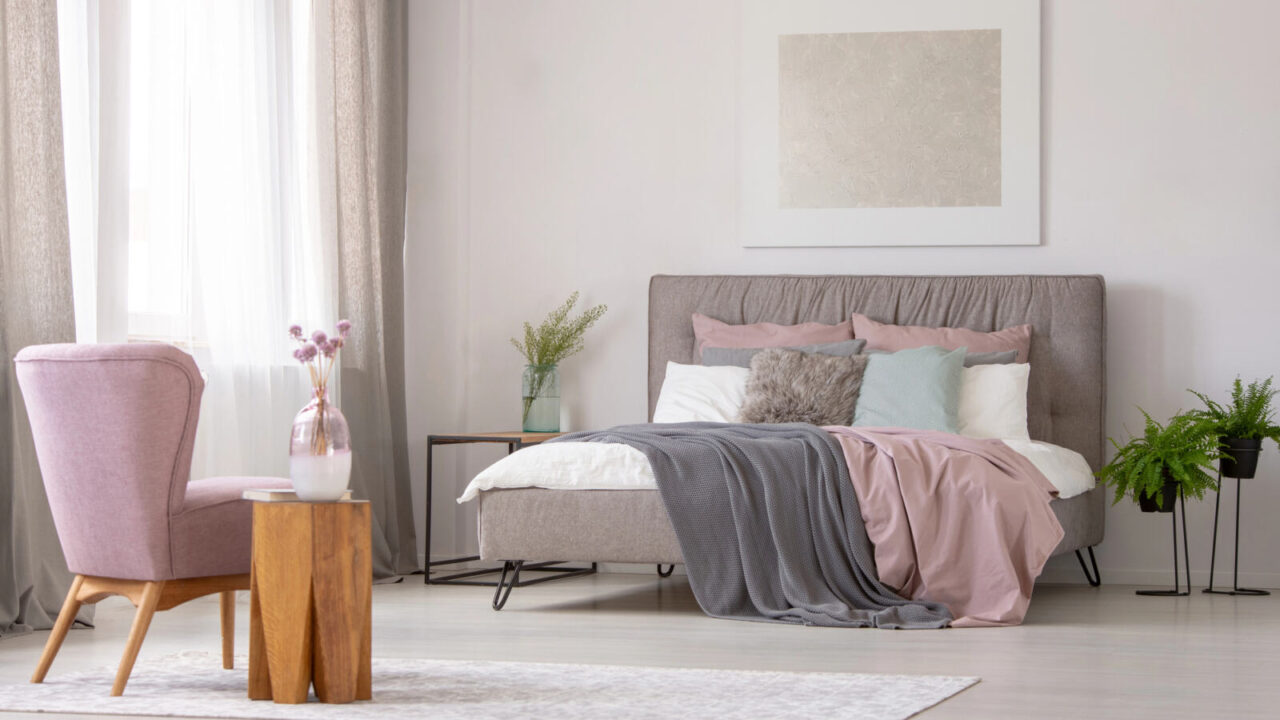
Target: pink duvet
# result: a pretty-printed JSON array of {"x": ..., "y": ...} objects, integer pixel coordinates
[{"x": 961, "y": 521}]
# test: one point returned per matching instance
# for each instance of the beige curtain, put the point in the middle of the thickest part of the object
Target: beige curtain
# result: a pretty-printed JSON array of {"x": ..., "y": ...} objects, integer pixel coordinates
[
  {"x": 369, "y": 59},
  {"x": 35, "y": 301}
]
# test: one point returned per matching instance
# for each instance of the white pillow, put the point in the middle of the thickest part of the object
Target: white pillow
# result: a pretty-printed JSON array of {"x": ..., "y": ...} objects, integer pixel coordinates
[
  {"x": 1066, "y": 469},
  {"x": 993, "y": 401},
  {"x": 697, "y": 393},
  {"x": 567, "y": 466}
]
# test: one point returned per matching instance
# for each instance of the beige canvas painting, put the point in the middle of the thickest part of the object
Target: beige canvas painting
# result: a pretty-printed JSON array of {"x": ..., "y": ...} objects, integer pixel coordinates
[{"x": 889, "y": 119}]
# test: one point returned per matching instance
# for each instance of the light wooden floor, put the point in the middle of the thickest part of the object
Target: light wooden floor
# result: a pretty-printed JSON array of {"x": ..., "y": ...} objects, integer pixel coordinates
[{"x": 1083, "y": 653}]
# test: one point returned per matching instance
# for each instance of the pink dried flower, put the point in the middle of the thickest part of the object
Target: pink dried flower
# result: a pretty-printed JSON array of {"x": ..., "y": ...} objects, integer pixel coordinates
[
  {"x": 336, "y": 342},
  {"x": 318, "y": 337},
  {"x": 295, "y": 332},
  {"x": 307, "y": 352},
  {"x": 344, "y": 327},
  {"x": 328, "y": 348}
]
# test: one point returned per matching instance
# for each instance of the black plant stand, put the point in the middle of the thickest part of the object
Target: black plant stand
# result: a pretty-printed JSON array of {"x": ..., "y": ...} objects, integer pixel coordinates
[
  {"x": 1177, "y": 590},
  {"x": 1235, "y": 570}
]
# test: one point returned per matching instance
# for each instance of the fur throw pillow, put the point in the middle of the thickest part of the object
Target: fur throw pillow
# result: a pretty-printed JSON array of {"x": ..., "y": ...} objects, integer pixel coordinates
[{"x": 791, "y": 386}]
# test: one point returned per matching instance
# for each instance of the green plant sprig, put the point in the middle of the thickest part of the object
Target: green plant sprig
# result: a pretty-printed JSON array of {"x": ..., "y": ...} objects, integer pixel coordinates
[
  {"x": 1248, "y": 416},
  {"x": 557, "y": 337},
  {"x": 1181, "y": 451}
]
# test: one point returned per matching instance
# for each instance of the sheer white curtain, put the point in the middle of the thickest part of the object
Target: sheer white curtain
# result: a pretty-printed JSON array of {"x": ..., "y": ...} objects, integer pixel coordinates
[{"x": 194, "y": 164}]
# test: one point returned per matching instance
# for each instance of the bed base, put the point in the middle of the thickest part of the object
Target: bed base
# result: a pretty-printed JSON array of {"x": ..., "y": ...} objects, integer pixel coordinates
[
  {"x": 631, "y": 526},
  {"x": 511, "y": 570}
]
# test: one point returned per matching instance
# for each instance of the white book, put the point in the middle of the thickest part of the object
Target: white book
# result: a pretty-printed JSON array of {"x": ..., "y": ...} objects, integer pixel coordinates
[{"x": 267, "y": 495}]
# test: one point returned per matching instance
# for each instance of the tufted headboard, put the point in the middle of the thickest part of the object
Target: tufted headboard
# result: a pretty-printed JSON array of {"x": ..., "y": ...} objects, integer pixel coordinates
[{"x": 1067, "y": 395}]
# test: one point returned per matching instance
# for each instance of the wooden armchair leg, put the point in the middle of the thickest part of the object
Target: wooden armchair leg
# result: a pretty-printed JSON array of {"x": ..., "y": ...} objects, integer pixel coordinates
[
  {"x": 141, "y": 621},
  {"x": 66, "y": 617},
  {"x": 227, "y": 604}
]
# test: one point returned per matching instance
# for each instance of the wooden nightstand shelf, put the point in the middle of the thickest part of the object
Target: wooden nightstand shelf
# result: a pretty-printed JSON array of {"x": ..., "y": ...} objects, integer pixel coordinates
[{"x": 514, "y": 441}]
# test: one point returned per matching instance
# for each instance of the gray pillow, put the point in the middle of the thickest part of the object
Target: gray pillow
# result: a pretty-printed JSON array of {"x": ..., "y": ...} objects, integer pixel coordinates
[
  {"x": 918, "y": 388},
  {"x": 1004, "y": 357},
  {"x": 741, "y": 357},
  {"x": 792, "y": 386}
]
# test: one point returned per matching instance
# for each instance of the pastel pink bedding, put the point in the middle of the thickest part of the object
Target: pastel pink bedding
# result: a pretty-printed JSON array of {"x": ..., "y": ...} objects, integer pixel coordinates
[
  {"x": 709, "y": 332},
  {"x": 961, "y": 521},
  {"x": 881, "y": 336}
]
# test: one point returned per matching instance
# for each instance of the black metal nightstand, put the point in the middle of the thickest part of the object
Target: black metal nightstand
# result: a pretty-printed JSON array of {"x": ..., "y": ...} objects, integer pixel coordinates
[{"x": 514, "y": 441}]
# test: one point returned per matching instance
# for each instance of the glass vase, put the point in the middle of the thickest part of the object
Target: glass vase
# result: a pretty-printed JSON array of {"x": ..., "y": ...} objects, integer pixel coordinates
[
  {"x": 541, "y": 398},
  {"x": 320, "y": 451}
]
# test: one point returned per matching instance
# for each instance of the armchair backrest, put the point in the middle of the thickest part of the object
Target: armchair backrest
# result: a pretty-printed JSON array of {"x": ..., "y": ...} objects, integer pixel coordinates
[{"x": 114, "y": 427}]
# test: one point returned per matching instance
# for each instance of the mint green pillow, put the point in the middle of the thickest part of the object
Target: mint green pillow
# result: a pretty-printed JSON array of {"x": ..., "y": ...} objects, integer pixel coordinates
[{"x": 917, "y": 388}]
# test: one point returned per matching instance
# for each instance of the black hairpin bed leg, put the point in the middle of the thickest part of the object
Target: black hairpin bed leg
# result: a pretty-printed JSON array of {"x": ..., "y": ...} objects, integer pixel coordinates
[
  {"x": 1095, "y": 579},
  {"x": 670, "y": 569},
  {"x": 509, "y": 569}
]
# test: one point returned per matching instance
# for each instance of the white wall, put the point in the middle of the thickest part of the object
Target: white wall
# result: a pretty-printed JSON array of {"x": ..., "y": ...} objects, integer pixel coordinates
[{"x": 559, "y": 145}]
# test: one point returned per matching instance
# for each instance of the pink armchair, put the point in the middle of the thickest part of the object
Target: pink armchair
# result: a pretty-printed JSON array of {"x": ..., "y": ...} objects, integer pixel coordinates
[{"x": 114, "y": 427}]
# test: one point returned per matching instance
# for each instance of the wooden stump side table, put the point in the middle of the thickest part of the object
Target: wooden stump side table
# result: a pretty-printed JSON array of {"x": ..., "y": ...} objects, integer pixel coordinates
[{"x": 310, "y": 606}]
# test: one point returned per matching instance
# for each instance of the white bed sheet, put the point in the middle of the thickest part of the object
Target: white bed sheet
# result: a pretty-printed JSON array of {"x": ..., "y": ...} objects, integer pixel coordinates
[{"x": 611, "y": 466}]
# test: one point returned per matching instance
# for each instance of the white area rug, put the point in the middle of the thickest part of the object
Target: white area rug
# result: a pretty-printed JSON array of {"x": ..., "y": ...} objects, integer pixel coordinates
[{"x": 194, "y": 684}]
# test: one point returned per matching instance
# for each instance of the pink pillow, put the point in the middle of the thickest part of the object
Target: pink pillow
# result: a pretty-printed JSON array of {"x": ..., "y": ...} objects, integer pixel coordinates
[
  {"x": 709, "y": 332},
  {"x": 880, "y": 336}
]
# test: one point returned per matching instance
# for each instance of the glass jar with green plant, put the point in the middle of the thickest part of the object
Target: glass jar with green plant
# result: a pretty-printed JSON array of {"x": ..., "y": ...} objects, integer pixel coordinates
[
  {"x": 544, "y": 348},
  {"x": 1240, "y": 425},
  {"x": 1151, "y": 468}
]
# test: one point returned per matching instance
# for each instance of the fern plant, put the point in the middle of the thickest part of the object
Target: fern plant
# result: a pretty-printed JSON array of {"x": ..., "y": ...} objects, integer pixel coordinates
[
  {"x": 1249, "y": 415},
  {"x": 1181, "y": 451}
]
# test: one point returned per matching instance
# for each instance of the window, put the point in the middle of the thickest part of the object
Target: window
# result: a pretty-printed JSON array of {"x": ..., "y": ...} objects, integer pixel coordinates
[{"x": 198, "y": 214}]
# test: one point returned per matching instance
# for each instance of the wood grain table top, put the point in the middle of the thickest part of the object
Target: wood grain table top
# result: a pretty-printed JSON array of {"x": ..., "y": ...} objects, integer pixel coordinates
[{"x": 514, "y": 436}]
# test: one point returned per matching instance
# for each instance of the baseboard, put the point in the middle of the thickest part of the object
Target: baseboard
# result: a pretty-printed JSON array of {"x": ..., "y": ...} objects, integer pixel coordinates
[
  {"x": 1199, "y": 578},
  {"x": 1059, "y": 573}
]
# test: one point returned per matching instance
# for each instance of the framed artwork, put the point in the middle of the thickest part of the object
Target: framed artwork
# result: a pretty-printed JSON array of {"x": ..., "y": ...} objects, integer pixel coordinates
[{"x": 889, "y": 122}]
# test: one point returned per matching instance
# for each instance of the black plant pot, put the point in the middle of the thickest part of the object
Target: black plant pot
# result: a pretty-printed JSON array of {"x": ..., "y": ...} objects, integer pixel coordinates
[
  {"x": 1242, "y": 457},
  {"x": 1169, "y": 493}
]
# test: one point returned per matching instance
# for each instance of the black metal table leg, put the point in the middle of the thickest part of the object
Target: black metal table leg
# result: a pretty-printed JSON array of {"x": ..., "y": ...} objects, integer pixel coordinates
[
  {"x": 552, "y": 569},
  {"x": 1177, "y": 590},
  {"x": 1235, "y": 570},
  {"x": 428, "y": 563},
  {"x": 426, "y": 541}
]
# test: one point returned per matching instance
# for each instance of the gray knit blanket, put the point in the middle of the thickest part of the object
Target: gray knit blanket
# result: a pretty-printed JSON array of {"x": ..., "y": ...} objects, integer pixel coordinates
[{"x": 769, "y": 525}]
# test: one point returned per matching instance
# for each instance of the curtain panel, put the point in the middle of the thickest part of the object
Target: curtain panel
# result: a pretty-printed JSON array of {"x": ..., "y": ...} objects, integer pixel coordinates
[
  {"x": 35, "y": 302},
  {"x": 369, "y": 94},
  {"x": 237, "y": 166}
]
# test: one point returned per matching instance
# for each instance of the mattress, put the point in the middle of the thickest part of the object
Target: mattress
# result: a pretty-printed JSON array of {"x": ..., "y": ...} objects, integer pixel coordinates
[{"x": 612, "y": 466}]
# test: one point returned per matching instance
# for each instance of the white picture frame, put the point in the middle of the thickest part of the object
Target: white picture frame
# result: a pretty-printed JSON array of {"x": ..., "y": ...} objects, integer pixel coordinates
[{"x": 765, "y": 220}]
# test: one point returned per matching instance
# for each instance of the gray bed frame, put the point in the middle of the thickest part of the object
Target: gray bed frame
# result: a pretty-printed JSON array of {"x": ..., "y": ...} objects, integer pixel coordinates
[{"x": 1066, "y": 396}]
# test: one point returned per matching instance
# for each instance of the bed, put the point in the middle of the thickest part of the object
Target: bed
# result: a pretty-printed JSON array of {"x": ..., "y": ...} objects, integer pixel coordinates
[{"x": 1066, "y": 396}]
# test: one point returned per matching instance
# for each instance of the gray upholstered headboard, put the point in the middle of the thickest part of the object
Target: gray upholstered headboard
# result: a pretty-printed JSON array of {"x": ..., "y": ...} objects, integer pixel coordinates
[{"x": 1067, "y": 397}]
